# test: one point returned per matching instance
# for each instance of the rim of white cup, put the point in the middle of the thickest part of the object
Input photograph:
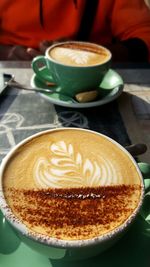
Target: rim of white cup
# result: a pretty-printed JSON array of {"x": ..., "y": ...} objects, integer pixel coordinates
[
  {"x": 77, "y": 42},
  {"x": 51, "y": 241}
]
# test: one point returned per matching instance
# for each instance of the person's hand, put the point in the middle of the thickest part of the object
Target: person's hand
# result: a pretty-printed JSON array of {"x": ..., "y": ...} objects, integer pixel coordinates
[
  {"x": 41, "y": 50},
  {"x": 43, "y": 46},
  {"x": 18, "y": 52}
]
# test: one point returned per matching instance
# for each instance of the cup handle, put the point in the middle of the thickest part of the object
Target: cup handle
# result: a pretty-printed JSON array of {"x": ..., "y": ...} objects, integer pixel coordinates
[
  {"x": 136, "y": 149},
  {"x": 39, "y": 66}
]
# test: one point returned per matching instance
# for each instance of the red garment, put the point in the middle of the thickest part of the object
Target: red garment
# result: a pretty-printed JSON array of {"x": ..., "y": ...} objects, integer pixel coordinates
[{"x": 122, "y": 19}]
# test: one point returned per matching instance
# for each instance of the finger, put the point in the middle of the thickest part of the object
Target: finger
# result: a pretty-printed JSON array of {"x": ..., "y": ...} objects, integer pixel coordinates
[
  {"x": 33, "y": 52},
  {"x": 19, "y": 53},
  {"x": 44, "y": 45}
]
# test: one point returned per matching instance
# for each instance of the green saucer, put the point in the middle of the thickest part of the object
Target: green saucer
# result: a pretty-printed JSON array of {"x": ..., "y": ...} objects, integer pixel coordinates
[
  {"x": 132, "y": 250},
  {"x": 110, "y": 88}
]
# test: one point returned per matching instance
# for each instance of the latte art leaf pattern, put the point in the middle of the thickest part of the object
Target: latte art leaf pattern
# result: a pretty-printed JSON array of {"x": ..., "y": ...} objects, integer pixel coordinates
[
  {"x": 66, "y": 168},
  {"x": 79, "y": 57}
]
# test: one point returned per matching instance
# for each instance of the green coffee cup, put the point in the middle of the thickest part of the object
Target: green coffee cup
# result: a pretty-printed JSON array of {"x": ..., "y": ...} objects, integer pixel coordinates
[{"x": 74, "y": 66}]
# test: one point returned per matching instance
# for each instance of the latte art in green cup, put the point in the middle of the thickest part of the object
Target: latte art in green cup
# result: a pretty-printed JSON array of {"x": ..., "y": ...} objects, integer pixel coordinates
[
  {"x": 79, "y": 55},
  {"x": 74, "y": 66}
]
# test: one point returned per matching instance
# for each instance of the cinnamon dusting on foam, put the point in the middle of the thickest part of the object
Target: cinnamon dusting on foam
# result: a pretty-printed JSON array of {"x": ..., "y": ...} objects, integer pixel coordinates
[
  {"x": 74, "y": 213},
  {"x": 79, "y": 54},
  {"x": 88, "y": 48}
]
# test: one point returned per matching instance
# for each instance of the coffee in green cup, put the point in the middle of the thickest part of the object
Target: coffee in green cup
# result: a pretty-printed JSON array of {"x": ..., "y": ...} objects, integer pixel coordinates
[{"x": 74, "y": 66}]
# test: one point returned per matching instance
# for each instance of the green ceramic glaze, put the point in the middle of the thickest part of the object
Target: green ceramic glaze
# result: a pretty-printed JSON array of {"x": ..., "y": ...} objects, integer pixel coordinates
[
  {"x": 111, "y": 80},
  {"x": 9, "y": 241},
  {"x": 145, "y": 210},
  {"x": 71, "y": 79},
  {"x": 109, "y": 89},
  {"x": 131, "y": 250}
]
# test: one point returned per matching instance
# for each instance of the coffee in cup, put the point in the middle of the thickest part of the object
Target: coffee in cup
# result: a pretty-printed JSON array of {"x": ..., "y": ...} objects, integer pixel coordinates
[
  {"x": 79, "y": 54},
  {"x": 74, "y": 66},
  {"x": 71, "y": 188}
]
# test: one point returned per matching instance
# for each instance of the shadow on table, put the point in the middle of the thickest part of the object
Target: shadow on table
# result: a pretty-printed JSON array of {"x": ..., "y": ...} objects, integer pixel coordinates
[{"x": 141, "y": 106}]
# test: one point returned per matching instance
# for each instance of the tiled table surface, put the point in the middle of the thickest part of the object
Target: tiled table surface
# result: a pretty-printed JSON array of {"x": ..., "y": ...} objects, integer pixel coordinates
[{"x": 136, "y": 91}]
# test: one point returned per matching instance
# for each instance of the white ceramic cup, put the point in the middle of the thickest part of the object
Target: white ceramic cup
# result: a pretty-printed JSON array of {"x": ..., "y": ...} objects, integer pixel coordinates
[{"x": 66, "y": 249}]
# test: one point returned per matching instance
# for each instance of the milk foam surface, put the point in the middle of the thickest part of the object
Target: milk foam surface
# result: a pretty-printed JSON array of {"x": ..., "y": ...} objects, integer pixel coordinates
[
  {"x": 78, "y": 56},
  {"x": 69, "y": 159}
]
